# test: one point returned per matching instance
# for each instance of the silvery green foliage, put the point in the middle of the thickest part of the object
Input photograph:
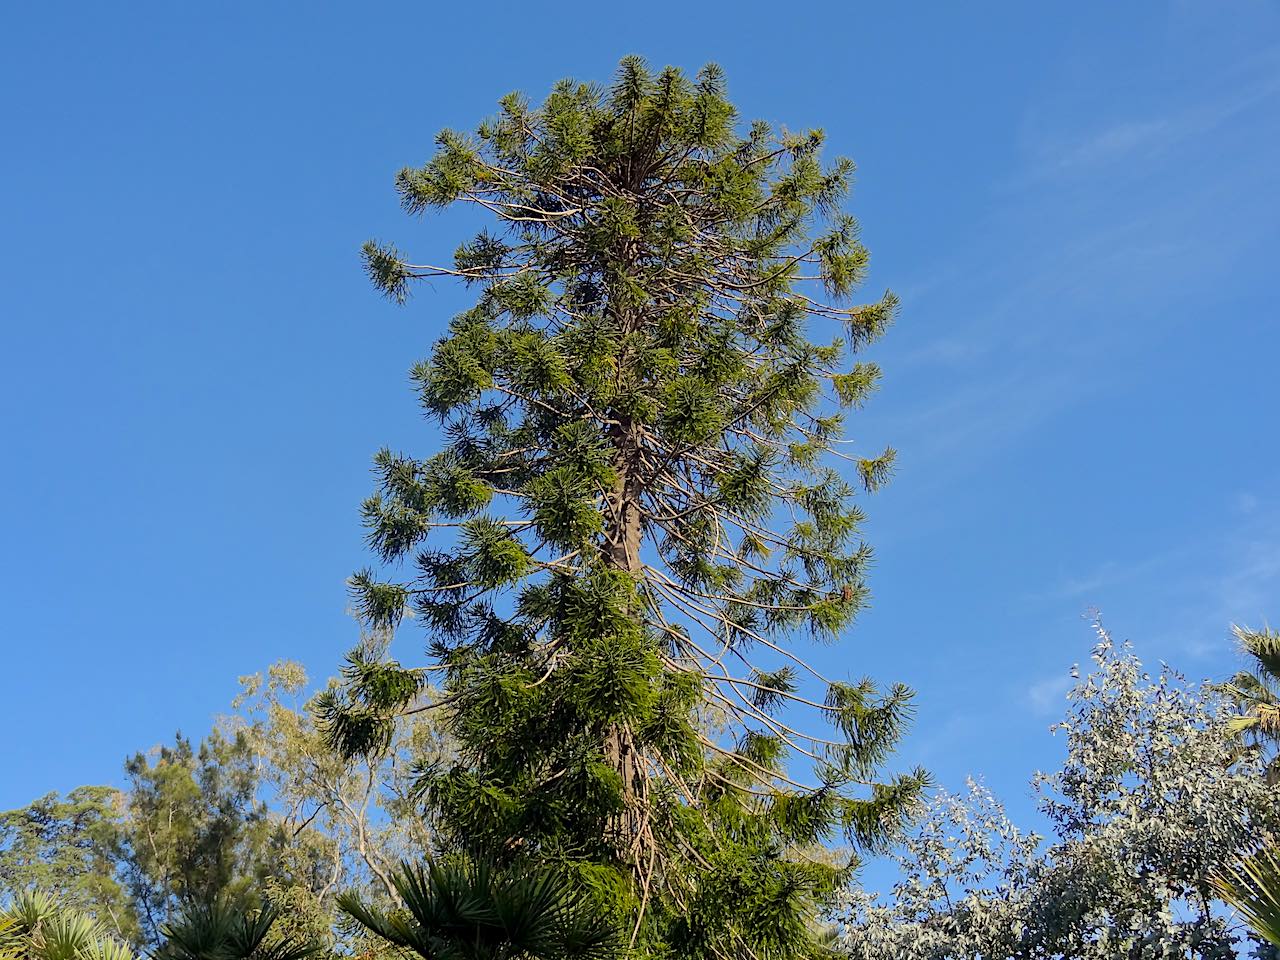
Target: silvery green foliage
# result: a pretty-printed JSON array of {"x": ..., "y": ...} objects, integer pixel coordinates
[
  {"x": 964, "y": 871},
  {"x": 1151, "y": 800}
]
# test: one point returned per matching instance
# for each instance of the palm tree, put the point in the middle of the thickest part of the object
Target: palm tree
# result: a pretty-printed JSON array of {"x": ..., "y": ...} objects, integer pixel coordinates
[
  {"x": 37, "y": 926},
  {"x": 8, "y": 938},
  {"x": 475, "y": 912},
  {"x": 1256, "y": 692},
  {"x": 1253, "y": 888},
  {"x": 222, "y": 930}
]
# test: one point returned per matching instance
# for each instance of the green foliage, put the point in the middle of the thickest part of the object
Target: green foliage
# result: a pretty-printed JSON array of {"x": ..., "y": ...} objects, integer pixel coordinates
[
  {"x": 197, "y": 829},
  {"x": 637, "y": 520},
  {"x": 221, "y": 930},
  {"x": 69, "y": 848},
  {"x": 8, "y": 939},
  {"x": 1253, "y": 888},
  {"x": 458, "y": 911},
  {"x": 189, "y": 825},
  {"x": 347, "y": 822},
  {"x": 261, "y": 812},
  {"x": 1256, "y": 692},
  {"x": 38, "y": 926}
]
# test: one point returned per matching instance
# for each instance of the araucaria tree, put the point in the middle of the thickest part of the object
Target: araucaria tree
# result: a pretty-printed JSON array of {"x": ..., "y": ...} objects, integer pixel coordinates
[{"x": 641, "y": 514}]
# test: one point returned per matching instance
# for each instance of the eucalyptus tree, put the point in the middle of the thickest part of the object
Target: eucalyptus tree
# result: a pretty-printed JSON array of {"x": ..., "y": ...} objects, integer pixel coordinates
[
  {"x": 1151, "y": 814},
  {"x": 349, "y": 822},
  {"x": 643, "y": 512}
]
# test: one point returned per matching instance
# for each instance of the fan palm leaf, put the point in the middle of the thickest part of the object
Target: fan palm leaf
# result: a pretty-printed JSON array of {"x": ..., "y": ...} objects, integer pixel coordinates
[
  {"x": 65, "y": 936},
  {"x": 1263, "y": 646},
  {"x": 220, "y": 930},
  {"x": 28, "y": 910},
  {"x": 9, "y": 938},
  {"x": 473, "y": 912},
  {"x": 37, "y": 926},
  {"x": 105, "y": 948},
  {"x": 1256, "y": 695}
]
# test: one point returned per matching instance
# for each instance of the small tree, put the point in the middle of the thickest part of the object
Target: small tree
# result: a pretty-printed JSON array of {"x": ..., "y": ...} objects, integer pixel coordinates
[
  {"x": 196, "y": 828},
  {"x": 638, "y": 510}
]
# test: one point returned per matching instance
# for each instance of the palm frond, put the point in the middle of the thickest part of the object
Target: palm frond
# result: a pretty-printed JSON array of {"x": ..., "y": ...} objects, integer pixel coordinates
[
  {"x": 28, "y": 909},
  {"x": 37, "y": 926},
  {"x": 1242, "y": 723},
  {"x": 474, "y": 912},
  {"x": 1253, "y": 888},
  {"x": 9, "y": 938},
  {"x": 200, "y": 932},
  {"x": 106, "y": 948},
  {"x": 1263, "y": 646},
  {"x": 220, "y": 930},
  {"x": 65, "y": 936}
]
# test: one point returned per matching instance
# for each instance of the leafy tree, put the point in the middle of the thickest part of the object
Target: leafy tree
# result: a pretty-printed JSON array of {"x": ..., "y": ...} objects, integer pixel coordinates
[
  {"x": 964, "y": 872},
  {"x": 458, "y": 911},
  {"x": 189, "y": 827},
  {"x": 638, "y": 519},
  {"x": 261, "y": 811},
  {"x": 342, "y": 824},
  {"x": 69, "y": 848},
  {"x": 1152, "y": 804}
]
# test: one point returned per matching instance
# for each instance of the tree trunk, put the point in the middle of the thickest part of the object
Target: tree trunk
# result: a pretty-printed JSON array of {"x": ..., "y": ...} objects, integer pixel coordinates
[{"x": 621, "y": 550}]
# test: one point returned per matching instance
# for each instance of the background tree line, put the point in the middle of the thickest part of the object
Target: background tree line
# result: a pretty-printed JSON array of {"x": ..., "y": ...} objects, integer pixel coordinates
[
  {"x": 260, "y": 810},
  {"x": 1166, "y": 786}
]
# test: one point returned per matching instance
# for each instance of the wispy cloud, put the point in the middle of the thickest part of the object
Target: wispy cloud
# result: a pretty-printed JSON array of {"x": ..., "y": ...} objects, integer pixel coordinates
[
  {"x": 1237, "y": 580},
  {"x": 1110, "y": 144},
  {"x": 1048, "y": 695},
  {"x": 1137, "y": 140},
  {"x": 1089, "y": 585},
  {"x": 1249, "y": 587},
  {"x": 941, "y": 739},
  {"x": 1245, "y": 502},
  {"x": 1191, "y": 591},
  {"x": 1060, "y": 290}
]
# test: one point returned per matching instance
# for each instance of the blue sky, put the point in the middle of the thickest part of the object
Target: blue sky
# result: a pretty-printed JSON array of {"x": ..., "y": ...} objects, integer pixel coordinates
[{"x": 1078, "y": 205}]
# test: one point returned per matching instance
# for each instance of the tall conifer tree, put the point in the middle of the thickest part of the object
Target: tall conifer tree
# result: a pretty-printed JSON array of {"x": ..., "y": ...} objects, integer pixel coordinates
[{"x": 641, "y": 507}]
